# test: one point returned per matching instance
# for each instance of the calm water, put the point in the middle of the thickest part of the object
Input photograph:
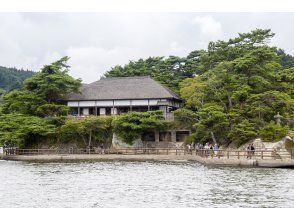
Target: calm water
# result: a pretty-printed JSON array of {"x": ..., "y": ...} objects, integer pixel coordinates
[{"x": 142, "y": 184}]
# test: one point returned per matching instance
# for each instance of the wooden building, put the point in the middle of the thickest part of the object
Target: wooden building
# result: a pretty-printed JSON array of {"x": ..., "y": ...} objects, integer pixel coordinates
[{"x": 112, "y": 96}]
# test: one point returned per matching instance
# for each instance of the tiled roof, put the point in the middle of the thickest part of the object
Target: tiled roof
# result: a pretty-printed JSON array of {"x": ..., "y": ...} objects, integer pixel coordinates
[{"x": 141, "y": 87}]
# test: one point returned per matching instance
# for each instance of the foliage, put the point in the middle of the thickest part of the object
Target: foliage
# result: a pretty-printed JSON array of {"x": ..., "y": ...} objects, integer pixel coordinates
[
  {"x": 88, "y": 130},
  {"x": 212, "y": 121},
  {"x": 240, "y": 87},
  {"x": 287, "y": 61},
  {"x": 22, "y": 130},
  {"x": 273, "y": 132},
  {"x": 131, "y": 125},
  {"x": 231, "y": 92},
  {"x": 53, "y": 83},
  {"x": 12, "y": 78},
  {"x": 192, "y": 91},
  {"x": 21, "y": 102},
  {"x": 2, "y": 92},
  {"x": 243, "y": 132},
  {"x": 185, "y": 117},
  {"x": 168, "y": 71},
  {"x": 41, "y": 97},
  {"x": 47, "y": 110}
]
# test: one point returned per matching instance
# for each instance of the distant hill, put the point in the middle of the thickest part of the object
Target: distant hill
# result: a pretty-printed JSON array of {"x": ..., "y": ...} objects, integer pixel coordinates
[
  {"x": 287, "y": 60},
  {"x": 12, "y": 78}
]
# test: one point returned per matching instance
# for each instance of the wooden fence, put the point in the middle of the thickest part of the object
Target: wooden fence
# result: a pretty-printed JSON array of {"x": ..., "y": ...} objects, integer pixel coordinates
[{"x": 233, "y": 154}]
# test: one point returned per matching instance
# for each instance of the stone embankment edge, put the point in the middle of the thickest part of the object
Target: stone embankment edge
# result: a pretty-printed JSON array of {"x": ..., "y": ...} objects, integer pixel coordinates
[{"x": 158, "y": 158}]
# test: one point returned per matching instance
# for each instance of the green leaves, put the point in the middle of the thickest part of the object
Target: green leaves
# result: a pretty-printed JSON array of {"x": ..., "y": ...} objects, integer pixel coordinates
[
  {"x": 47, "y": 110},
  {"x": 21, "y": 102},
  {"x": 130, "y": 126},
  {"x": 185, "y": 117},
  {"x": 89, "y": 131},
  {"x": 273, "y": 132},
  {"x": 23, "y": 130},
  {"x": 40, "y": 97},
  {"x": 168, "y": 71},
  {"x": 243, "y": 132},
  {"x": 240, "y": 88},
  {"x": 53, "y": 82}
]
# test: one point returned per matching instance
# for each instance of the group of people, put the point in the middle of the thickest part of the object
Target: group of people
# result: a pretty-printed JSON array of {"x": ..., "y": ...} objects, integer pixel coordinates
[
  {"x": 207, "y": 148},
  {"x": 250, "y": 150}
]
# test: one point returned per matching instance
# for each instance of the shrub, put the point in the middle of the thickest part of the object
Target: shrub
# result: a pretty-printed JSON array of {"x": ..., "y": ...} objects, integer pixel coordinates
[{"x": 273, "y": 132}]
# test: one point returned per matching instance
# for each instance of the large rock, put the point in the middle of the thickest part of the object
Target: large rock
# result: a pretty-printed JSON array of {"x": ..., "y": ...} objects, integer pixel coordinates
[
  {"x": 289, "y": 143},
  {"x": 282, "y": 148},
  {"x": 118, "y": 143}
]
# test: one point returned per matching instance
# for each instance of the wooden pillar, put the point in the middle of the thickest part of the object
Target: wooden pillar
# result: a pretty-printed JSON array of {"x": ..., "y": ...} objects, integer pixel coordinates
[
  {"x": 148, "y": 105},
  {"x": 79, "y": 110}
]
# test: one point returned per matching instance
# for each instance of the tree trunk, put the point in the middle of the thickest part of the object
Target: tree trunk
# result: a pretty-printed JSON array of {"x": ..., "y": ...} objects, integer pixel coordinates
[
  {"x": 90, "y": 139},
  {"x": 213, "y": 137}
]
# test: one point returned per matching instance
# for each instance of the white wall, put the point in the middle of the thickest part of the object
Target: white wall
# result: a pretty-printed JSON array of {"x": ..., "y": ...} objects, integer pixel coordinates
[
  {"x": 122, "y": 102},
  {"x": 85, "y": 111},
  {"x": 139, "y": 102},
  {"x": 87, "y": 103},
  {"x": 102, "y": 111},
  {"x": 104, "y": 103},
  {"x": 73, "y": 104},
  {"x": 109, "y": 103}
]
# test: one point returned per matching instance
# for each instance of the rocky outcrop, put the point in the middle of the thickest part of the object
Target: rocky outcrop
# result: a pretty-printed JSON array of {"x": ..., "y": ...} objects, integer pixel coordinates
[
  {"x": 282, "y": 148},
  {"x": 118, "y": 144}
]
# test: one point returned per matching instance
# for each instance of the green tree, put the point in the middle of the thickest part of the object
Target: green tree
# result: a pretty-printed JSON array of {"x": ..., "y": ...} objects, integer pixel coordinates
[
  {"x": 287, "y": 60},
  {"x": 273, "y": 132},
  {"x": 244, "y": 82},
  {"x": 168, "y": 71},
  {"x": 213, "y": 124},
  {"x": 23, "y": 131},
  {"x": 185, "y": 117},
  {"x": 12, "y": 78},
  {"x": 130, "y": 126},
  {"x": 47, "y": 110},
  {"x": 53, "y": 82},
  {"x": 87, "y": 131},
  {"x": 21, "y": 102}
]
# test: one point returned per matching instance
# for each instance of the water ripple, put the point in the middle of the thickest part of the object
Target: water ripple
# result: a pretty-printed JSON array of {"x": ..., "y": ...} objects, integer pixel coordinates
[{"x": 142, "y": 184}]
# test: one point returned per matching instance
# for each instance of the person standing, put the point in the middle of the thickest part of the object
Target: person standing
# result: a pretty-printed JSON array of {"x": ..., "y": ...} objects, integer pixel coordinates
[{"x": 252, "y": 149}]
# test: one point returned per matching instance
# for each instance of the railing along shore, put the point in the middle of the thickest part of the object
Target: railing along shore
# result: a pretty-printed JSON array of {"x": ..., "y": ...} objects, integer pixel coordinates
[{"x": 229, "y": 154}]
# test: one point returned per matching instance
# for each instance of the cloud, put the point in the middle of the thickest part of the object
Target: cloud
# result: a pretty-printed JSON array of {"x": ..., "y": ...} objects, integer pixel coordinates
[
  {"x": 209, "y": 26},
  {"x": 96, "y": 42},
  {"x": 90, "y": 63}
]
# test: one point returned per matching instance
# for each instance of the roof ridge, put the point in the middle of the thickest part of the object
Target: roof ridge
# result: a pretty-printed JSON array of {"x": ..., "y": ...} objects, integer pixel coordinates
[{"x": 120, "y": 77}]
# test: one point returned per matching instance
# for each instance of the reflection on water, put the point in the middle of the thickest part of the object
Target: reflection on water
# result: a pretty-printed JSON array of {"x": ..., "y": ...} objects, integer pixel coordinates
[{"x": 142, "y": 184}]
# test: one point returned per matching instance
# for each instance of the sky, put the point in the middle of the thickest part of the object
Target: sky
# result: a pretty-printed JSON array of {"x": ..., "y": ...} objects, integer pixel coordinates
[{"x": 96, "y": 42}]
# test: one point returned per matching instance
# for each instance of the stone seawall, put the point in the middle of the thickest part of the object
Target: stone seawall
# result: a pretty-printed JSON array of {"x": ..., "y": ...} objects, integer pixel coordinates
[
  {"x": 114, "y": 157},
  {"x": 155, "y": 158}
]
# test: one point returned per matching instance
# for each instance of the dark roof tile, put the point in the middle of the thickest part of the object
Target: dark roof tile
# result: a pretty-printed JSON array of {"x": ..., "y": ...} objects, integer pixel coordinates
[{"x": 141, "y": 87}]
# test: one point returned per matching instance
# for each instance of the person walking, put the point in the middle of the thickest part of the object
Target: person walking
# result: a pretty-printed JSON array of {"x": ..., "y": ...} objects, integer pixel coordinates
[
  {"x": 248, "y": 151},
  {"x": 215, "y": 149}
]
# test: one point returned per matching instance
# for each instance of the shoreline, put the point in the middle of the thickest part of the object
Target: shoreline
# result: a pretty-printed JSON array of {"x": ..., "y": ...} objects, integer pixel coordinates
[{"x": 155, "y": 158}]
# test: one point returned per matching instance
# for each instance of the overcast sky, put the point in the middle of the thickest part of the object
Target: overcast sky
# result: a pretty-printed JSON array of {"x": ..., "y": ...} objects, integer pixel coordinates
[{"x": 98, "y": 41}]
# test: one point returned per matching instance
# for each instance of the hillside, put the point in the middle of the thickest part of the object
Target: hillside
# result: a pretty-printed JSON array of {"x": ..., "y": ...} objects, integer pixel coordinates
[{"x": 12, "y": 78}]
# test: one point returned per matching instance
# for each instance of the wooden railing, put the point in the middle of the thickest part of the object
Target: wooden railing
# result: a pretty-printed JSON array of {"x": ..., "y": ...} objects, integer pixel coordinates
[{"x": 229, "y": 154}]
